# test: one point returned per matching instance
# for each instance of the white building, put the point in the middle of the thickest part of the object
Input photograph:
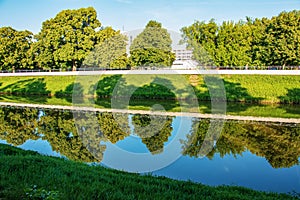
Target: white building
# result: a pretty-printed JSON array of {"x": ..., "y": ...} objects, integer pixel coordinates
[
  {"x": 184, "y": 59},
  {"x": 183, "y": 54}
]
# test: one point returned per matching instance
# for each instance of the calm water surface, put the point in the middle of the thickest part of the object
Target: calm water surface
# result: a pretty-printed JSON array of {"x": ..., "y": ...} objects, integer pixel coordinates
[{"x": 262, "y": 156}]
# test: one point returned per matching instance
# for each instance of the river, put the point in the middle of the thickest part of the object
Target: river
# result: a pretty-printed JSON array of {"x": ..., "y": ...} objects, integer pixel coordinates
[{"x": 262, "y": 155}]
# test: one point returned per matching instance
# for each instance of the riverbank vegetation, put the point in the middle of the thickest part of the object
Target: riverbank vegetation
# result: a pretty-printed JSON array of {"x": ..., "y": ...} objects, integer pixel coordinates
[{"x": 28, "y": 175}]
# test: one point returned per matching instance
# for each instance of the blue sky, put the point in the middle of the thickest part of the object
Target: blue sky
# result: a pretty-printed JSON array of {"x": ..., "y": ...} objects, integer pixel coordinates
[{"x": 134, "y": 14}]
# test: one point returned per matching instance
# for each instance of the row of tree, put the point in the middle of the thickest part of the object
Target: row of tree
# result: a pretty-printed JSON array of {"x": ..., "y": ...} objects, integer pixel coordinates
[
  {"x": 254, "y": 42},
  {"x": 75, "y": 38}
]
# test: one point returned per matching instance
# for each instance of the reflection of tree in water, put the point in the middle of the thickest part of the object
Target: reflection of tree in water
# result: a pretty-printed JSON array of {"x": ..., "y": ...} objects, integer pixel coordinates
[
  {"x": 18, "y": 125},
  {"x": 90, "y": 134},
  {"x": 279, "y": 144},
  {"x": 154, "y": 131},
  {"x": 60, "y": 131},
  {"x": 114, "y": 126},
  {"x": 80, "y": 141}
]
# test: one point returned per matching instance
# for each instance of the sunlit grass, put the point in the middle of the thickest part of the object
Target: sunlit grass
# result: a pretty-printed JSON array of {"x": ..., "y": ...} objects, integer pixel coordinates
[
  {"x": 266, "y": 89},
  {"x": 25, "y": 173}
]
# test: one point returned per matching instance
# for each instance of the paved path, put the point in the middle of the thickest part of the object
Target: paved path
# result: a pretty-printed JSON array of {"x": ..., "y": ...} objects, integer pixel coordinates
[
  {"x": 185, "y": 114},
  {"x": 158, "y": 72}
]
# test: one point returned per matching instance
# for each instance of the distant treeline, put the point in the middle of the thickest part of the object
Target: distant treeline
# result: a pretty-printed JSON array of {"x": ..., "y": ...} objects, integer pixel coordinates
[{"x": 76, "y": 38}]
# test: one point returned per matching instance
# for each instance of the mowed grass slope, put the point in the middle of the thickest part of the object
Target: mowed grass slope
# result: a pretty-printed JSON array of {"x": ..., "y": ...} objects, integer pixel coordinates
[
  {"x": 240, "y": 88},
  {"x": 28, "y": 175}
]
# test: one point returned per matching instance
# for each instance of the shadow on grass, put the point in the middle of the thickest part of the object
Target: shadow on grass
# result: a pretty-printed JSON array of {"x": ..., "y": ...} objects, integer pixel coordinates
[
  {"x": 159, "y": 88},
  {"x": 115, "y": 87},
  {"x": 105, "y": 87},
  {"x": 234, "y": 92},
  {"x": 30, "y": 90},
  {"x": 292, "y": 98},
  {"x": 35, "y": 86},
  {"x": 73, "y": 93}
]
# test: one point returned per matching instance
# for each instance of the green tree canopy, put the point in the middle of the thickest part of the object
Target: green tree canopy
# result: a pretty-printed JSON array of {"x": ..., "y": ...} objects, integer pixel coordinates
[
  {"x": 258, "y": 42},
  {"x": 233, "y": 44},
  {"x": 66, "y": 39},
  {"x": 110, "y": 53},
  {"x": 281, "y": 41},
  {"x": 152, "y": 47},
  {"x": 14, "y": 48},
  {"x": 201, "y": 38}
]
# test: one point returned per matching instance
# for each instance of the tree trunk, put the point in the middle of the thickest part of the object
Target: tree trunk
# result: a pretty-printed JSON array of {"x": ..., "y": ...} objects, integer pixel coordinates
[{"x": 74, "y": 66}]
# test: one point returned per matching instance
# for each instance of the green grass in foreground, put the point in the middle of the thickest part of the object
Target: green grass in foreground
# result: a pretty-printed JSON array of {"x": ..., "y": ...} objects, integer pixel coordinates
[{"x": 25, "y": 173}]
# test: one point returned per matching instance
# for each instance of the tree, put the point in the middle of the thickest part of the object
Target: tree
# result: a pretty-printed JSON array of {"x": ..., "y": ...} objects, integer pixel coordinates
[
  {"x": 201, "y": 38},
  {"x": 14, "y": 48},
  {"x": 233, "y": 44},
  {"x": 66, "y": 39},
  {"x": 152, "y": 47},
  {"x": 257, "y": 52},
  {"x": 225, "y": 45},
  {"x": 258, "y": 42},
  {"x": 281, "y": 41},
  {"x": 110, "y": 53}
]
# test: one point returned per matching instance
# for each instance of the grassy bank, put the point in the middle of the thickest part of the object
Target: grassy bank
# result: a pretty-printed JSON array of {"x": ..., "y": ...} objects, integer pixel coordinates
[
  {"x": 25, "y": 173},
  {"x": 232, "y": 108},
  {"x": 259, "y": 95},
  {"x": 242, "y": 88}
]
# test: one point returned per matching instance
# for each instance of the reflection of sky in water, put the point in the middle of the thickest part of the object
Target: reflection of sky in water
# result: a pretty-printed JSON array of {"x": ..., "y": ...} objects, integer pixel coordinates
[
  {"x": 41, "y": 146},
  {"x": 247, "y": 170},
  {"x": 128, "y": 160},
  {"x": 134, "y": 143}
]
